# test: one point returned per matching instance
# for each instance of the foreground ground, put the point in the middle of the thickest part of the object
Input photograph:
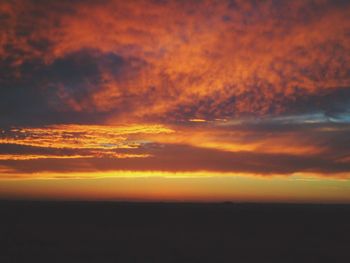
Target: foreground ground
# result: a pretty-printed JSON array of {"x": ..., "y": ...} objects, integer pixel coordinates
[{"x": 170, "y": 232}]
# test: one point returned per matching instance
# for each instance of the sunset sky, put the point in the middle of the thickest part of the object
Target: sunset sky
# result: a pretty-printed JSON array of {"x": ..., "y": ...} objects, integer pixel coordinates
[{"x": 156, "y": 100}]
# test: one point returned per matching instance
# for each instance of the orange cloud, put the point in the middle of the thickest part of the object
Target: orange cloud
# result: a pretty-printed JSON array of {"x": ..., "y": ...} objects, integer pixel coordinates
[
  {"x": 202, "y": 58},
  {"x": 80, "y": 136},
  {"x": 77, "y": 141}
]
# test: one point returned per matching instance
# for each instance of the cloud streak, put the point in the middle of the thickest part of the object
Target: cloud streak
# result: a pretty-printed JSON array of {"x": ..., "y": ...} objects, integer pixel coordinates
[{"x": 272, "y": 146}]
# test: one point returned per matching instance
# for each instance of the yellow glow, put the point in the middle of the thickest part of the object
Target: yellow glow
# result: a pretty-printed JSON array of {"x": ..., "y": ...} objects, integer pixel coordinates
[
  {"x": 157, "y": 186},
  {"x": 197, "y": 120}
]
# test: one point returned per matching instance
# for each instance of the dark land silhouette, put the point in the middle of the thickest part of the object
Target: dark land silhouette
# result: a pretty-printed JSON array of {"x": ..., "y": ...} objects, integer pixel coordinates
[{"x": 47, "y": 231}]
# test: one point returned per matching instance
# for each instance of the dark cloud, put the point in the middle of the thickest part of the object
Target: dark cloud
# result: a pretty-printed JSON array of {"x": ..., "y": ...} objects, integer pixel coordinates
[
  {"x": 13, "y": 151},
  {"x": 181, "y": 158},
  {"x": 334, "y": 103},
  {"x": 60, "y": 92}
]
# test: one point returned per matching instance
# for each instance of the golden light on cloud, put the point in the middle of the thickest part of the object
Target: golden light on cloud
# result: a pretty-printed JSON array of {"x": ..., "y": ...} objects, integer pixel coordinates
[
  {"x": 80, "y": 136},
  {"x": 94, "y": 154},
  {"x": 197, "y": 120}
]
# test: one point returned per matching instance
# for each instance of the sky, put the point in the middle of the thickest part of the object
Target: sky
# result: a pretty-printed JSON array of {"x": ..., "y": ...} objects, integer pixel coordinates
[{"x": 165, "y": 100}]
